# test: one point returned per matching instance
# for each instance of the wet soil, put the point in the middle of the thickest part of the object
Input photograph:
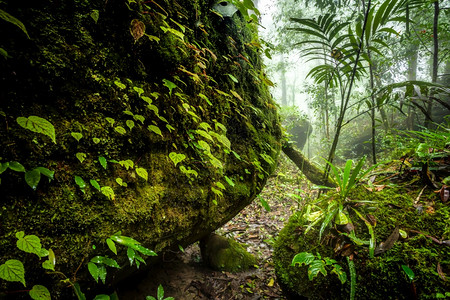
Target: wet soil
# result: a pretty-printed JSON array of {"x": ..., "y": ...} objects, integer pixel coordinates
[{"x": 184, "y": 276}]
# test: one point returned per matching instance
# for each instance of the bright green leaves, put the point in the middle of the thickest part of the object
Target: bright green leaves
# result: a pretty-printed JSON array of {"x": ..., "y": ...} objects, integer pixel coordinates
[
  {"x": 81, "y": 156},
  {"x": 127, "y": 163},
  {"x": 120, "y": 129},
  {"x": 108, "y": 192},
  {"x": 111, "y": 246},
  {"x": 81, "y": 183},
  {"x": 102, "y": 161},
  {"x": 95, "y": 184},
  {"x": 30, "y": 244},
  {"x": 159, "y": 295},
  {"x": 32, "y": 178},
  {"x": 39, "y": 292},
  {"x": 133, "y": 248},
  {"x": 170, "y": 85},
  {"x": 13, "y": 270},
  {"x": 155, "y": 129},
  {"x": 16, "y": 166},
  {"x": 177, "y": 157},
  {"x": 141, "y": 172},
  {"x": 130, "y": 124},
  {"x": 318, "y": 265},
  {"x": 77, "y": 135},
  {"x": 234, "y": 79},
  {"x": 409, "y": 273},
  {"x": 38, "y": 125}
]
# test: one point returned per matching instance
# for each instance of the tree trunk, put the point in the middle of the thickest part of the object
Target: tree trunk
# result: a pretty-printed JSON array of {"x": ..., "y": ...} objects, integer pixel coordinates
[{"x": 284, "y": 101}]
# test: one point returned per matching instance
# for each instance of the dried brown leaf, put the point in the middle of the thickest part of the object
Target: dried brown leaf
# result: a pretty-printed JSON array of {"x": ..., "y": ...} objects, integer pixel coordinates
[{"x": 137, "y": 29}]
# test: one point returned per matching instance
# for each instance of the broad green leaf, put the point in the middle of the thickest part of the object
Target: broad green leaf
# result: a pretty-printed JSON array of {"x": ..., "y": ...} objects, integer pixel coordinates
[
  {"x": 13, "y": 270},
  {"x": 340, "y": 272},
  {"x": 177, "y": 157},
  {"x": 170, "y": 85},
  {"x": 139, "y": 118},
  {"x": 204, "y": 134},
  {"x": 48, "y": 265},
  {"x": 30, "y": 244},
  {"x": 121, "y": 182},
  {"x": 315, "y": 267},
  {"x": 143, "y": 250},
  {"x": 124, "y": 240},
  {"x": 160, "y": 292},
  {"x": 120, "y": 85},
  {"x": 46, "y": 172},
  {"x": 120, "y": 129},
  {"x": 32, "y": 178},
  {"x": 95, "y": 184},
  {"x": 16, "y": 166},
  {"x": 130, "y": 124},
  {"x": 40, "y": 292},
  {"x": 148, "y": 100},
  {"x": 4, "y": 166},
  {"x": 78, "y": 292},
  {"x": 155, "y": 129},
  {"x": 347, "y": 169},
  {"x": 106, "y": 261},
  {"x": 220, "y": 185},
  {"x": 9, "y": 18},
  {"x": 138, "y": 90},
  {"x": 38, "y": 125},
  {"x": 77, "y": 135},
  {"x": 142, "y": 173},
  {"x": 93, "y": 270},
  {"x": 102, "y": 297},
  {"x": 102, "y": 161},
  {"x": 108, "y": 192},
  {"x": 229, "y": 181},
  {"x": 111, "y": 246},
  {"x": 303, "y": 258},
  {"x": 80, "y": 182},
  {"x": 52, "y": 257},
  {"x": 127, "y": 163},
  {"x": 408, "y": 272},
  {"x": 81, "y": 156},
  {"x": 94, "y": 15},
  {"x": 328, "y": 217},
  {"x": 204, "y": 146}
]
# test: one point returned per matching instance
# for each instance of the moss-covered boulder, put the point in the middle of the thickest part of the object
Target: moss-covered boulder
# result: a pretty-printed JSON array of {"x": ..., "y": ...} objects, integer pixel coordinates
[
  {"x": 225, "y": 254},
  {"x": 424, "y": 250},
  {"x": 154, "y": 116}
]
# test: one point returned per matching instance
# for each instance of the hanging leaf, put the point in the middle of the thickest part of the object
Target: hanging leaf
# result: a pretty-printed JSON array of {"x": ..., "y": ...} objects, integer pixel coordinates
[
  {"x": 130, "y": 124},
  {"x": 13, "y": 270},
  {"x": 264, "y": 203},
  {"x": 80, "y": 182},
  {"x": 137, "y": 29},
  {"x": 229, "y": 181},
  {"x": 93, "y": 270},
  {"x": 155, "y": 129},
  {"x": 102, "y": 161},
  {"x": 176, "y": 157},
  {"x": 120, "y": 129},
  {"x": 32, "y": 178},
  {"x": 29, "y": 243},
  {"x": 40, "y": 292},
  {"x": 170, "y": 85},
  {"x": 95, "y": 184},
  {"x": 9, "y": 18},
  {"x": 142, "y": 173},
  {"x": 77, "y": 135},
  {"x": 315, "y": 267},
  {"x": 96, "y": 140},
  {"x": 111, "y": 246},
  {"x": 127, "y": 163},
  {"x": 95, "y": 15},
  {"x": 303, "y": 258},
  {"x": 39, "y": 125},
  {"x": 108, "y": 192},
  {"x": 233, "y": 78},
  {"x": 81, "y": 156},
  {"x": 16, "y": 166},
  {"x": 408, "y": 272}
]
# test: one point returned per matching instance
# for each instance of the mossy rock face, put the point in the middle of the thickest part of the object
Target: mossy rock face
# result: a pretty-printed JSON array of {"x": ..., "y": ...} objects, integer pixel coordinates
[
  {"x": 381, "y": 277},
  {"x": 187, "y": 104},
  {"x": 225, "y": 254}
]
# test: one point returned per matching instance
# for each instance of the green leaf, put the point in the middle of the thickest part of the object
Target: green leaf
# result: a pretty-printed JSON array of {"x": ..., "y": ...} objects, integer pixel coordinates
[
  {"x": 32, "y": 178},
  {"x": 46, "y": 172},
  {"x": 95, "y": 184},
  {"x": 204, "y": 134},
  {"x": 138, "y": 90},
  {"x": 233, "y": 78},
  {"x": 229, "y": 181},
  {"x": 303, "y": 258},
  {"x": 93, "y": 270},
  {"x": 408, "y": 272},
  {"x": 120, "y": 85},
  {"x": 121, "y": 182},
  {"x": 48, "y": 265},
  {"x": 81, "y": 156},
  {"x": 177, "y": 157},
  {"x": 155, "y": 129},
  {"x": 111, "y": 246},
  {"x": 264, "y": 203},
  {"x": 130, "y": 124},
  {"x": 142, "y": 173},
  {"x": 9, "y": 18},
  {"x": 4, "y": 166},
  {"x": 40, "y": 292},
  {"x": 102, "y": 161},
  {"x": 106, "y": 261},
  {"x": 108, "y": 192},
  {"x": 170, "y": 85},
  {"x": 30, "y": 244},
  {"x": 80, "y": 182},
  {"x": 131, "y": 254},
  {"x": 120, "y": 129},
  {"x": 110, "y": 121},
  {"x": 95, "y": 15},
  {"x": 51, "y": 257},
  {"x": 124, "y": 240},
  {"x": 160, "y": 292},
  {"x": 352, "y": 270},
  {"x": 340, "y": 272},
  {"x": 16, "y": 166},
  {"x": 38, "y": 125},
  {"x": 327, "y": 220},
  {"x": 139, "y": 118},
  {"x": 143, "y": 250},
  {"x": 102, "y": 297},
  {"x": 96, "y": 140},
  {"x": 127, "y": 163},
  {"x": 13, "y": 270},
  {"x": 78, "y": 292},
  {"x": 77, "y": 135},
  {"x": 315, "y": 267}
]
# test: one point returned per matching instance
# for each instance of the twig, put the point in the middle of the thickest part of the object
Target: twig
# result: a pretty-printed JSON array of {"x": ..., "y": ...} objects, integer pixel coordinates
[{"x": 420, "y": 194}]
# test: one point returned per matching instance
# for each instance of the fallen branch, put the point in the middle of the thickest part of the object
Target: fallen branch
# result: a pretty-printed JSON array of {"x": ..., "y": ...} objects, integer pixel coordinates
[{"x": 312, "y": 172}]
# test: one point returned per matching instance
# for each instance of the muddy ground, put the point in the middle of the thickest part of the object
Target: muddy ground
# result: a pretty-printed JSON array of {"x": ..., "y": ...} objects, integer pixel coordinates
[{"x": 184, "y": 276}]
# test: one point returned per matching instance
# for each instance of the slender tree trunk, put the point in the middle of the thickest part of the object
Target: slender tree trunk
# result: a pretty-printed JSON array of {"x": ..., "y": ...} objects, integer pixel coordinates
[
  {"x": 284, "y": 101},
  {"x": 435, "y": 59},
  {"x": 372, "y": 113}
]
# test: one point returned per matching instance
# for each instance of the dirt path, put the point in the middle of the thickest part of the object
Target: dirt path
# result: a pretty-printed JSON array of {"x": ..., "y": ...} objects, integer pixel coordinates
[{"x": 185, "y": 277}]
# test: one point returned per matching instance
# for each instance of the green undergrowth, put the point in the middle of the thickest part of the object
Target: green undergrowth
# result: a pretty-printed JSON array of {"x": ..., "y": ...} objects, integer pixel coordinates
[{"x": 381, "y": 277}]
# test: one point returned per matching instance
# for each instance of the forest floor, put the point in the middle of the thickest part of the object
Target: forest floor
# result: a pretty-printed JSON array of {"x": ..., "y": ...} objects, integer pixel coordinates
[{"x": 184, "y": 276}]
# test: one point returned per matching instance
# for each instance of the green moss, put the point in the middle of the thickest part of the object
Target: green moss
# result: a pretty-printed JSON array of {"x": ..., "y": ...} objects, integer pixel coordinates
[{"x": 381, "y": 277}]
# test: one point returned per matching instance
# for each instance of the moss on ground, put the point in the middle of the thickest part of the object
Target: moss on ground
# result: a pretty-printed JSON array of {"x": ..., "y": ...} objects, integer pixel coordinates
[{"x": 381, "y": 277}]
